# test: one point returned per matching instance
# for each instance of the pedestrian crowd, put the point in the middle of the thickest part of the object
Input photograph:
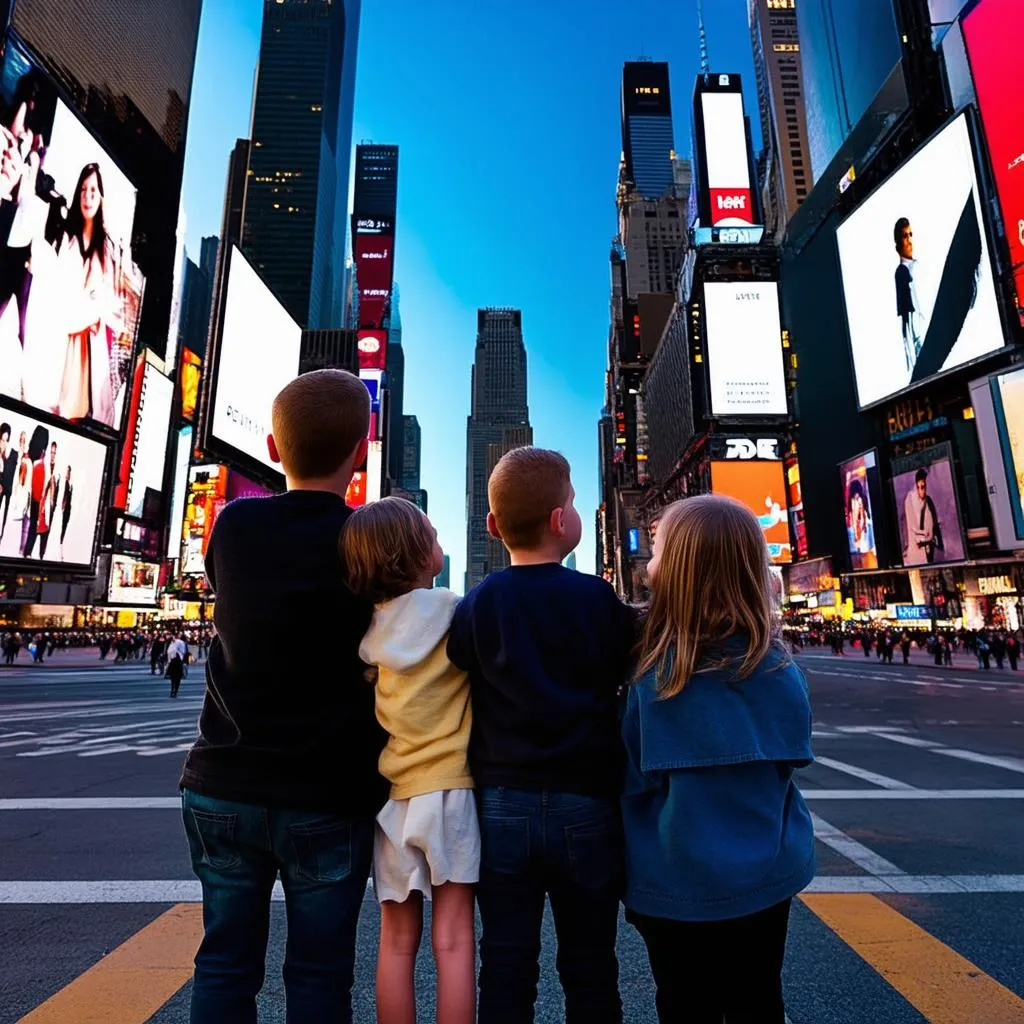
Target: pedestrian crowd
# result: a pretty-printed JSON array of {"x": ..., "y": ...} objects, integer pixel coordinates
[{"x": 536, "y": 740}]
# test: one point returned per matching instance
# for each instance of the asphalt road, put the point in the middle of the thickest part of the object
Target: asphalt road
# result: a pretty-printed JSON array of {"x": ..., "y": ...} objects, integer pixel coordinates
[{"x": 914, "y": 916}]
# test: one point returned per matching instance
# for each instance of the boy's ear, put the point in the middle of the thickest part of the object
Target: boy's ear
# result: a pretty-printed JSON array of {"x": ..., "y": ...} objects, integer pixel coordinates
[
  {"x": 275, "y": 455},
  {"x": 492, "y": 526},
  {"x": 360, "y": 452},
  {"x": 557, "y": 522}
]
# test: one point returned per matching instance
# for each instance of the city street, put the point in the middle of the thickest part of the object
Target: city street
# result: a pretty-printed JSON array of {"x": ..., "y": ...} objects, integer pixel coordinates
[{"x": 914, "y": 916}]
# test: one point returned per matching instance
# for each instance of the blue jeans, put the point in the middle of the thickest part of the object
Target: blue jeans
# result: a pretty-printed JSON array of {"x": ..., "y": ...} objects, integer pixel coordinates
[
  {"x": 324, "y": 862},
  {"x": 568, "y": 847}
]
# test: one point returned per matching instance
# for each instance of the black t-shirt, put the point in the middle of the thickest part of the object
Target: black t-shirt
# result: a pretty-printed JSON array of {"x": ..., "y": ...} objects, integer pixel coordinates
[
  {"x": 288, "y": 718},
  {"x": 547, "y": 649}
]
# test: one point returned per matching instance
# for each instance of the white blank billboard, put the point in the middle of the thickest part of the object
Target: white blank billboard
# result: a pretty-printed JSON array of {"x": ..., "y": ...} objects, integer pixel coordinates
[
  {"x": 725, "y": 143},
  {"x": 147, "y": 466}
]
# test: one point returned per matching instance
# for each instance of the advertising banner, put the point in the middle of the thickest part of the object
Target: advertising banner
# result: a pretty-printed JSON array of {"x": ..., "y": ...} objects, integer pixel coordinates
[
  {"x": 744, "y": 345},
  {"x": 761, "y": 486},
  {"x": 926, "y": 507},
  {"x": 725, "y": 141},
  {"x": 373, "y": 253},
  {"x": 188, "y": 381},
  {"x": 797, "y": 518},
  {"x": 207, "y": 495},
  {"x": 1008, "y": 392},
  {"x": 52, "y": 482},
  {"x": 859, "y": 480},
  {"x": 992, "y": 32},
  {"x": 917, "y": 275},
  {"x": 258, "y": 355},
  {"x": 145, "y": 444},
  {"x": 132, "y": 582},
  {"x": 182, "y": 455},
  {"x": 372, "y": 348},
  {"x": 70, "y": 293}
]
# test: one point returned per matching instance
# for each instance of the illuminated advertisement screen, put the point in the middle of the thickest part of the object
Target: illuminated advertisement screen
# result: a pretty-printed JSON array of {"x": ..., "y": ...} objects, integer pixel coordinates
[
  {"x": 132, "y": 582},
  {"x": 182, "y": 455},
  {"x": 355, "y": 496},
  {"x": 744, "y": 342},
  {"x": 993, "y": 31},
  {"x": 725, "y": 143},
  {"x": 1008, "y": 395},
  {"x": 761, "y": 486},
  {"x": 926, "y": 507},
  {"x": 797, "y": 519},
  {"x": 917, "y": 277},
  {"x": 374, "y": 262},
  {"x": 859, "y": 510},
  {"x": 188, "y": 382},
  {"x": 52, "y": 488},
  {"x": 372, "y": 347},
  {"x": 145, "y": 442},
  {"x": 258, "y": 355},
  {"x": 70, "y": 293},
  {"x": 206, "y": 496}
]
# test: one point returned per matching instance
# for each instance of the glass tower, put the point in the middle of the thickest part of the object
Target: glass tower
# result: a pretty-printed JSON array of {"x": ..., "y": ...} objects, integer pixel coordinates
[{"x": 647, "y": 141}]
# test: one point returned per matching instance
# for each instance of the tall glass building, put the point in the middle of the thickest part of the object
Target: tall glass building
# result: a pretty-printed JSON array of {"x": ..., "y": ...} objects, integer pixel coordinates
[
  {"x": 297, "y": 194},
  {"x": 647, "y": 140}
]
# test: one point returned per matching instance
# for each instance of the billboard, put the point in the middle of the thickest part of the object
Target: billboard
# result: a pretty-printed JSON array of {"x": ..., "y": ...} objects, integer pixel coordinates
[
  {"x": 206, "y": 496},
  {"x": 52, "y": 486},
  {"x": 1008, "y": 392},
  {"x": 258, "y": 354},
  {"x": 188, "y": 381},
  {"x": 728, "y": 162},
  {"x": 917, "y": 277},
  {"x": 355, "y": 496},
  {"x": 859, "y": 478},
  {"x": 926, "y": 507},
  {"x": 374, "y": 257},
  {"x": 145, "y": 443},
  {"x": 182, "y": 456},
  {"x": 744, "y": 348},
  {"x": 372, "y": 348},
  {"x": 992, "y": 32},
  {"x": 761, "y": 486},
  {"x": 132, "y": 582},
  {"x": 797, "y": 518},
  {"x": 70, "y": 293}
]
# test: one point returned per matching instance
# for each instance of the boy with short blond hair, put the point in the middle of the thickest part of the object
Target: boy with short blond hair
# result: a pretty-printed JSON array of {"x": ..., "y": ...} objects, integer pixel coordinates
[
  {"x": 283, "y": 778},
  {"x": 546, "y": 649}
]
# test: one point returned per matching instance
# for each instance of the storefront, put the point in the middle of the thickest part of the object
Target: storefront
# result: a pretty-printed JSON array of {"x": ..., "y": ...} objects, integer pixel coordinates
[
  {"x": 993, "y": 597},
  {"x": 812, "y": 590}
]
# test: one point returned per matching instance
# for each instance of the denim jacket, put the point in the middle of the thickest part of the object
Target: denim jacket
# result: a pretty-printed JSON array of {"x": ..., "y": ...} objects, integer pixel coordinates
[{"x": 715, "y": 826}]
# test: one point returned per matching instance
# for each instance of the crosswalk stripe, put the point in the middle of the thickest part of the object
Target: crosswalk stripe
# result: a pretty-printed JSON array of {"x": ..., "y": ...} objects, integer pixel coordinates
[
  {"x": 943, "y": 986},
  {"x": 130, "y": 984}
]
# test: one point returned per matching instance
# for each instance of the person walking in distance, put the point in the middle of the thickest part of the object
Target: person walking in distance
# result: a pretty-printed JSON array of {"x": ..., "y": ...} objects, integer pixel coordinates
[{"x": 175, "y": 670}]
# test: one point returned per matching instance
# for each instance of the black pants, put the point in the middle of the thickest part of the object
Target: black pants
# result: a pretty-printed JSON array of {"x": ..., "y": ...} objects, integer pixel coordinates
[
  {"x": 16, "y": 283},
  {"x": 710, "y": 971}
]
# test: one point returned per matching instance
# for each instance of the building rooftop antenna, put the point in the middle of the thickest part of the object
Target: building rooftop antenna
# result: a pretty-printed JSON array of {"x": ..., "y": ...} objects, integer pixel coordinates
[{"x": 705, "y": 63}]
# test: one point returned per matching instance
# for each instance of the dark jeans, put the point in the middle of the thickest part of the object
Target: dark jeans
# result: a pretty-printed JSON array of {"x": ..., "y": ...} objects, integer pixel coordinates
[
  {"x": 324, "y": 862},
  {"x": 568, "y": 847},
  {"x": 707, "y": 971}
]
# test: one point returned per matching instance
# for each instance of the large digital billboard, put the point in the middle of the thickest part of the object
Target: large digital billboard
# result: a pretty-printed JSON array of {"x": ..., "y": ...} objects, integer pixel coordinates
[
  {"x": 188, "y": 379},
  {"x": 917, "y": 277},
  {"x": 372, "y": 347},
  {"x": 70, "y": 293},
  {"x": 258, "y": 354},
  {"x": 728, "y": 162},
  {"x": 927, "y": 512},
  {"x": 145, "y": 442},
  {"x": 132, "y": 582},
  {"x": 761, "y": 486},
  {"x": 182, "y": 456},
  {"x": 992, "y": 32},
  {"x": 859, "y": 477},
  {"x": 52, "y": 483},
  {"x": 207, "y": 495},
  {"x": 744, "y": 346},
  {"x": 374, "y": 256},
  {"x": 1008, "y": 392}
]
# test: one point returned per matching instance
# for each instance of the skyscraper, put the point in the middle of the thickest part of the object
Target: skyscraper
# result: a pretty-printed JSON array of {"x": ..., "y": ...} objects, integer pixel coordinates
[
  {"x": 647, "y": 141},
  {"x": 411, "y": 453},
  {"x": 234, "y": 194},
  {"x": 499, "y": 420},
  {"x": 374, "y": 209},
  {"x": 444, "y": 577},
  {"x": 297, "y": 191},
  {"x": 786, "y": 154},
  {"x": 396, "y": 390}
]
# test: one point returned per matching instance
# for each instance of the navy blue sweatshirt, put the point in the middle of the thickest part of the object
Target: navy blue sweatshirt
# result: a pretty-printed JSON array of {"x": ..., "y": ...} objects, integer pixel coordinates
[
  {"x": 288, "y": 719},
  {"x": 546, "y": 649}
]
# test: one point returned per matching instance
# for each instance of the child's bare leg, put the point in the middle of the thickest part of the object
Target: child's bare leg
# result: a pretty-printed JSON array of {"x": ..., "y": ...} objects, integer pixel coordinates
[
  {"x": 454, "y": 941},
  {"x": 401, "y": 925}
]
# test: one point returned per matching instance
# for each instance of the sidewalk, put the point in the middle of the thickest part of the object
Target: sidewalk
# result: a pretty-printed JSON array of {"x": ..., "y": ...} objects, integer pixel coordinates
[
  {"x": 962, "y": 661},
  {"x": 79, "y": 658}
]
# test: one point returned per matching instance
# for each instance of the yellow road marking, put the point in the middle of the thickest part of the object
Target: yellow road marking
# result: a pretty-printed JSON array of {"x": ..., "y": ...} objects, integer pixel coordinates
[
  {"x": 133, "y": 981},
  {"x": 945, "y": 987}
]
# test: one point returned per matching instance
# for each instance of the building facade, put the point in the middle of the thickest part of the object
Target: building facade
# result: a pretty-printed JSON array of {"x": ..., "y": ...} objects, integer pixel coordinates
[
  {"x": 411, "y": 453},
  {"x": 647, "y": 140},
  {"x": 499, "y": 420},
  {"x": 331, "y": 348},
  {"x": 297, "y": 191}
]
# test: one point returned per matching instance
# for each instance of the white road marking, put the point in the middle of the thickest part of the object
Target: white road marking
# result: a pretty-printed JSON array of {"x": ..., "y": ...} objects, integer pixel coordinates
[
  {"x": 910, "y": 794},
  {"x": 862, "y": 773},
  {"x": 1011, "y": 764},
  {"x": 915, "y": 884},
  {"x": 854, "y": 851}
]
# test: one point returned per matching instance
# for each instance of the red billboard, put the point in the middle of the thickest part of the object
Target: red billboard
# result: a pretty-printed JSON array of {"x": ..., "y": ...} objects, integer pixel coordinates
[
  {"x": 993, "y": 31},
  {"x": 372, "y": 347},
  {"x": 374, "y": 259}
]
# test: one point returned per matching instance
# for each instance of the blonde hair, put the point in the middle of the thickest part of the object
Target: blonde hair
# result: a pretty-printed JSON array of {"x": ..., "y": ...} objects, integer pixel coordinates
[
  {"x": 386, "y": 547},
  {"x": 525, "y": 486},
  {"x": 713, "y": 581},
  {"x": 317, "y": 420}
]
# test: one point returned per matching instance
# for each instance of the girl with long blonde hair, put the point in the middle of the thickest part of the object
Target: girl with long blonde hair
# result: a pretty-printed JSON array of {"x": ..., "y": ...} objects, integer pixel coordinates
[{"x": 718, "y": 837}]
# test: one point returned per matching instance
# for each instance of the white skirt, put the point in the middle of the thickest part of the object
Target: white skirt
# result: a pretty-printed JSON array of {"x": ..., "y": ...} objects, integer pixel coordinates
[{"x": 426, "y": 841}]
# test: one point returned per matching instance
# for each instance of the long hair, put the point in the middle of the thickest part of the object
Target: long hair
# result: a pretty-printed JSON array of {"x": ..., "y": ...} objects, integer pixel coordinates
[
  {"x": 713, "y": 582},
  {"x": 76, "y": 222}
]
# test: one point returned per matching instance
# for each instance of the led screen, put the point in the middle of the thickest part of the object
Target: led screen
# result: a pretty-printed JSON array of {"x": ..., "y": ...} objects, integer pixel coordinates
[
  {"x": 926, "y": 507},
  {"x": 207, "y": 495},
  {"x": 374, "y": 261},
  {"x": 132, "y": 582},
  {"x": 259, "y": 355},
  {"x": 993, "y": 31},
  {"x": 191, "y": 370},
  {"x": 1008, "y": 393},
  {"x": 917, "y": 278},
  {"x": 70, "y": 293},
  {"x": 859, "y": 511},
  {"x": 182, "y": 455},
  {"x": 761, "y": 486},
  {"x": 372, "y": 347},
  {"x": 145, "y": 443},
  {"x": 52, "y": 484},
  {"x": 725, "y": 141},
  {"x": 744, "y": 340}
]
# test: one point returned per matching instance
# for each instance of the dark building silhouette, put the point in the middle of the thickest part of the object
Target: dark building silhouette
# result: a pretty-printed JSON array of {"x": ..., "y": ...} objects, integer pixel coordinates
[
  {"x": 234, "y": 194},
  {"x": 647, "y": 142},
  {"x": 411, "y": 453},
  {"x": 332, "y": 348}
]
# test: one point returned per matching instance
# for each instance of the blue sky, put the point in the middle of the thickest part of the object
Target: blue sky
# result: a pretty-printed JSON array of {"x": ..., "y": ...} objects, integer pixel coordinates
[{"x": 507, "y": 119}]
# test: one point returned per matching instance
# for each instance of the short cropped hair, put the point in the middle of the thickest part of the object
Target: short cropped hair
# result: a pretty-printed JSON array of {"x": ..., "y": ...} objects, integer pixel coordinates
[
  {"x": 386, "y": 546},
  {"x": 524, "y": 488},
  {"x": 318, "y": 420}
]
